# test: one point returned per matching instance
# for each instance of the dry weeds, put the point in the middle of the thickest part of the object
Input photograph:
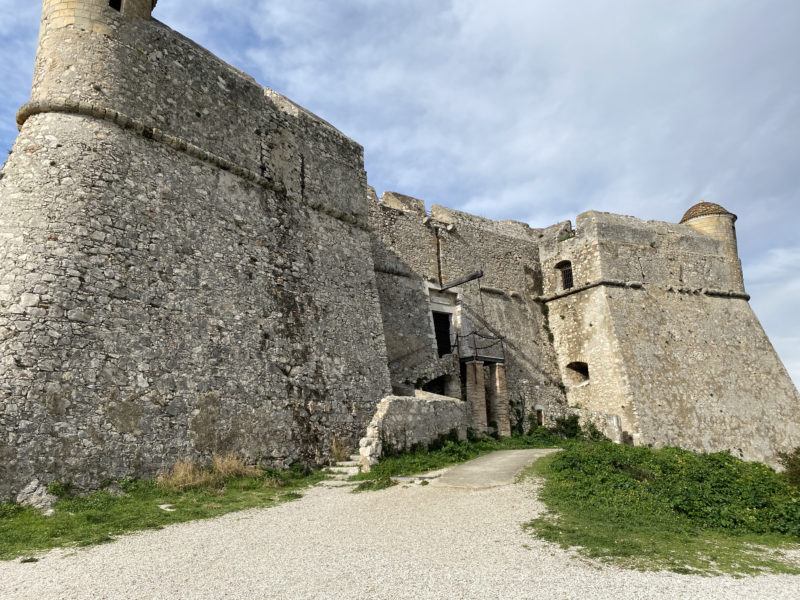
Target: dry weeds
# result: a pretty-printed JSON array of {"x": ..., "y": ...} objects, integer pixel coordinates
[{"x": 187, "y": 475}]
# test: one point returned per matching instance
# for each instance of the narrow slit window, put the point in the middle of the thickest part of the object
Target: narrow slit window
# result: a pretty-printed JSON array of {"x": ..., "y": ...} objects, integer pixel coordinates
[
  {"x": 115, "y": 4},
  {"x": 565, "y": 268}
]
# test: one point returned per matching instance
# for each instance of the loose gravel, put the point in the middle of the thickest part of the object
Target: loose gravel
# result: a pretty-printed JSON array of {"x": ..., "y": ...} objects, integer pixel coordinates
[{"x": 408, "y": 541}]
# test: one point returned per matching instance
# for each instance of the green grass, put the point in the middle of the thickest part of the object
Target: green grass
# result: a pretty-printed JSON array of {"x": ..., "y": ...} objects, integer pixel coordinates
[
  {"x": 100, "y": 517},
  {"x": 669, "y": 509},
  {"x": 449, "y": 452},
  {"x": 372, "y": 485}
]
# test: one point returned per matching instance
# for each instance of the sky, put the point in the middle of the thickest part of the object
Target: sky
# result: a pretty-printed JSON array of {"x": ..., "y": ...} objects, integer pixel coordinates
[{"x": 534, "y": 110}]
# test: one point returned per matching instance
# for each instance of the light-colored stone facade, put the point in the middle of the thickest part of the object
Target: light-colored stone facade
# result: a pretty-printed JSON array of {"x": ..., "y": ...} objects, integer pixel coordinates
[
  {"x": 192, "y": 264},
  {"x": 659, "y": 316}
]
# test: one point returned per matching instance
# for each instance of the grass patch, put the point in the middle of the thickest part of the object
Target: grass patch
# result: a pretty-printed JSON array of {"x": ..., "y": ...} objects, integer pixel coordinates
[
  {"x": 372, "y": 485},
  {"x": 450, "y": 452},
  {"x": 669, "y": 509},
  {"x": 192, "y": 492}
]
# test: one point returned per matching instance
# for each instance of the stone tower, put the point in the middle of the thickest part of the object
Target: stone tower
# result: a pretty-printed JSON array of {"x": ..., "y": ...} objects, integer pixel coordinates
[
  {"x": 186, "y": 263},
  {"x": 713, "y": 220}
]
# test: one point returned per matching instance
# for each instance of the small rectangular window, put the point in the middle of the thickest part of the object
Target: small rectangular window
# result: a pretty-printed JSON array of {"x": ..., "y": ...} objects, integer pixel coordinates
[
  {"x": 115, "y": 4},
  {"x": 565, "y": 267}
]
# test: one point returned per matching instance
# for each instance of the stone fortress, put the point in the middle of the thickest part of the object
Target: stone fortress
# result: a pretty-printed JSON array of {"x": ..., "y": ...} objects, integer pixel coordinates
[{"x": 194, "y": 264}]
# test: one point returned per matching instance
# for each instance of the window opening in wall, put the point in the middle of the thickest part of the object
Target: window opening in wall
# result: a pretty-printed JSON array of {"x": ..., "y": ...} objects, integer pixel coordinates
[
  {"x": 578, "y": 372},
  {"x": 441, "y": 327},
  {"x": 115, "y": 4},
  {"x": 565, "y": 267}
]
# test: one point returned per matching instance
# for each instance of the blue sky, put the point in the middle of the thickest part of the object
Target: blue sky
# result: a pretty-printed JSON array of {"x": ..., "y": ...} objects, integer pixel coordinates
[{"x": 535, "y": 110}]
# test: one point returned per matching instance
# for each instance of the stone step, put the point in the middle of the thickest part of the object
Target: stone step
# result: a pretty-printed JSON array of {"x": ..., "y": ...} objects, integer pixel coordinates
[
  {"x": 343, "y": 470},
  {"x": 355, "y": 457},
  {"x": 337, "y": 483},
  {"x": 346, "y": 463}
]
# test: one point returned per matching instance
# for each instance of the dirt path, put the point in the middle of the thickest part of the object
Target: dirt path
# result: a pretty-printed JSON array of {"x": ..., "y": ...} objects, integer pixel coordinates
[{"x": 404, "y": 542}]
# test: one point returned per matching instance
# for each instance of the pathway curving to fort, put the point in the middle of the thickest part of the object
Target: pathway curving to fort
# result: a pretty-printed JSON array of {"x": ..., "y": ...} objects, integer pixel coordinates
[{"x": 410, "y": 541}]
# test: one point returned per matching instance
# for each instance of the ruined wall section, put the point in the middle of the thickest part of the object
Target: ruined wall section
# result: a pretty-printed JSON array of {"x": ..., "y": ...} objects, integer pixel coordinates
[
  {"x": 403, "y": 422},
  {"x": 154, "y": 306}
]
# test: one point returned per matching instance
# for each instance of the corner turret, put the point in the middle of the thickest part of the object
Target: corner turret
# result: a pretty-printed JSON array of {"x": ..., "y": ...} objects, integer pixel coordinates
[
  {"x": 716, "y": 222},
  {"x": 99, "y": 16}
]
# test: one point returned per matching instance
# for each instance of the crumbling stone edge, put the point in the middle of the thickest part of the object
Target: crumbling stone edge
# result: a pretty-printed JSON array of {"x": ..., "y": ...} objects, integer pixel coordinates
[{"x": 144, "y": 130}]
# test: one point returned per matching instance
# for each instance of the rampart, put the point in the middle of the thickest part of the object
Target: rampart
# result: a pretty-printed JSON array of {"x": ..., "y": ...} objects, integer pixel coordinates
[
  {"x": 657, "y": 330},
  {"x": 186, "y": 267}
]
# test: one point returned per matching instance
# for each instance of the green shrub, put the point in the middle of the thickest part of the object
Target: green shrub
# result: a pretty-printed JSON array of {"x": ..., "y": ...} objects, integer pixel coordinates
[
  {"x": 669, "y": 509},
  {"x": 715, "y": 491},
  {"x": 373, "y": 485},
  {"x": 567, "y": 427},
  {"x": 791, "y": 462},
  {"x": 452, "y": 451}
]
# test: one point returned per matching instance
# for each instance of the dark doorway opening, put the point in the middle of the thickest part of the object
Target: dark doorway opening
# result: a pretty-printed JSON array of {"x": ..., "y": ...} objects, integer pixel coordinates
[
  {"x": 436, "y": 386},
  {"x": 115, "y": 4},
  {"x": 441, "y": 327}
]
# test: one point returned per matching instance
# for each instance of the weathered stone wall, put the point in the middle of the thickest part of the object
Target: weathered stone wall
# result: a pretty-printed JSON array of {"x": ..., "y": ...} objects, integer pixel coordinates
[
  {"x": 411, "y": 247},
  {"x": 184, "y": 268},
  {"x": 404, "y": 253},
  {"x": 673, "y": 348},
  {"x": 402, "y": 422},
  {"x": 503, "y": 303},
  {"x": 704, "y": 375}
]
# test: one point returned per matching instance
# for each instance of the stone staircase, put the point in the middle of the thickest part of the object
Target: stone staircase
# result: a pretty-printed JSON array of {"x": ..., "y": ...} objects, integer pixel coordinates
[{"x": 342, "y": 470}]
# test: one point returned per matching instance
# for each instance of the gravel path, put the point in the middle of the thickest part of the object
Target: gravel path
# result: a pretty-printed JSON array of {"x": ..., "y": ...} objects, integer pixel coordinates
[{"x": 404, "y": 542}]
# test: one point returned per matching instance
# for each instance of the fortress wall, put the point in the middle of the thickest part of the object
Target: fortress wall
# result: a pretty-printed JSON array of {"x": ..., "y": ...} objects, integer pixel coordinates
[
  {"x": 146, "y": 71},
  {"x": 704, "y": 374},
  {"x": 404, "y": 252},
  {"x": 654, "y": 252},
  {"x": 502, "y": 302},
  {"x": 582, "y": 326},
  {"x": 508, "y": 254},
  {"x": 154, "y": 306},
  {"x": 578, "y": 246},
  {"x": 671, "y": 344}
]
